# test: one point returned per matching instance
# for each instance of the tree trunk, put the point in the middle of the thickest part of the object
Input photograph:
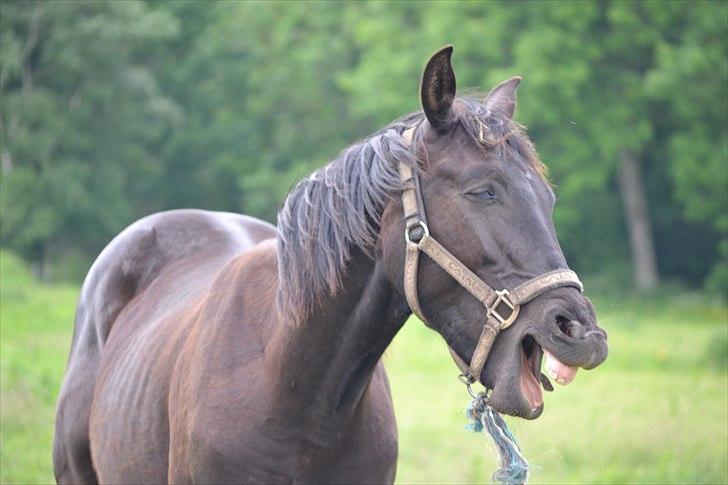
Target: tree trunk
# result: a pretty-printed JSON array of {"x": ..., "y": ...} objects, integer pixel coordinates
[
  {"x": 39, "y": 264},
  {"x": 30, "y": 43},
  {"x": 644, "y": 261}
]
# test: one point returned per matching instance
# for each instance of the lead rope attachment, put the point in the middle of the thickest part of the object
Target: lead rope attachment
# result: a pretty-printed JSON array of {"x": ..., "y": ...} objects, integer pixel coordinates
[{"x": 513, "y": 466}]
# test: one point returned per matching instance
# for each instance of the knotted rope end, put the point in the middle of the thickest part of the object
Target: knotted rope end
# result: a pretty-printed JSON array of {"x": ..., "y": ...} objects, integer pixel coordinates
[{"x": 513, "y": 466}]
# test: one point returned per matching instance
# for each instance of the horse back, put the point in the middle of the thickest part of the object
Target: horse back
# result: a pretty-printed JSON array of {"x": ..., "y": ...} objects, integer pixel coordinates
[{"x": 168, "y": 260}]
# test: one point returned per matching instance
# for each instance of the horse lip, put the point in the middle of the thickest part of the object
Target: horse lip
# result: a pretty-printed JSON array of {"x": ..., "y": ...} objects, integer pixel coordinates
[
  {"x": 507, "y": 396},
  {"x": 587, "y": 352},
  {"x": 514, "y": 403}
]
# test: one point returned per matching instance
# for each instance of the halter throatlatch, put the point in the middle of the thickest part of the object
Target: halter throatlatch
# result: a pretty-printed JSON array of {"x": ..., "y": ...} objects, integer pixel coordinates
[{"x": 501, "y": 306}]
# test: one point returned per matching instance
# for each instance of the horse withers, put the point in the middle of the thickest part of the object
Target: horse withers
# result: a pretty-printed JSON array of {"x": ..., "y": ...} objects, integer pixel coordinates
[{"x": 215, "y": 348}]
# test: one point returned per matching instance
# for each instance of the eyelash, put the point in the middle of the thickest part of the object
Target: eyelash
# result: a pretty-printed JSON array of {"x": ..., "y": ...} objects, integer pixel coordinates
[{"x": 487, "y": 194}]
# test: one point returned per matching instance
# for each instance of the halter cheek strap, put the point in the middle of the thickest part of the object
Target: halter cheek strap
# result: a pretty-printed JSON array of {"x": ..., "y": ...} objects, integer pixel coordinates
[{"x": 501, "y": 306}]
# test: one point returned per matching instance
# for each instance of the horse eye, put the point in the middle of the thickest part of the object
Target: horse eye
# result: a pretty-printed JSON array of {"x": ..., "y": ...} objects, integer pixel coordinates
[{"x": 486, "y": 194}]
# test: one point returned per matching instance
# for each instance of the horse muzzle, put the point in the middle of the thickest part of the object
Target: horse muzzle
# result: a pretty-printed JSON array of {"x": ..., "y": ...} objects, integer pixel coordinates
[{"x": 558, "y": 335}]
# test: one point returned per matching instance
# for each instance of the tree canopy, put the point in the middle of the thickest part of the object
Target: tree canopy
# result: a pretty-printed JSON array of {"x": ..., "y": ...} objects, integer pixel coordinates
[{"x": 113, "y": 110}]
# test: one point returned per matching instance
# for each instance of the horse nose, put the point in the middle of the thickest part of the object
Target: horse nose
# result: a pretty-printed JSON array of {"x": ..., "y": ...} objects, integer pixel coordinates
[
  {"x": 571, "y": 327},
  {"x": 577, "y": 318}
]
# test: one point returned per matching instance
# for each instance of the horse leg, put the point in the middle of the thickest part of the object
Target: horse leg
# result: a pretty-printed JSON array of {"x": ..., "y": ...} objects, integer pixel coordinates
[{"x": 71, "y": 446}]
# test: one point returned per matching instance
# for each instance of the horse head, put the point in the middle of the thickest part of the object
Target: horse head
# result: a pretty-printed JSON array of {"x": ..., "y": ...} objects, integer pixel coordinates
[{"x": 488, "y": 202}]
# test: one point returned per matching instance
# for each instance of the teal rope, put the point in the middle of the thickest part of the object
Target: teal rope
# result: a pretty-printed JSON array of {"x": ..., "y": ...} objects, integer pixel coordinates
[{"x": 513, "y": 466}]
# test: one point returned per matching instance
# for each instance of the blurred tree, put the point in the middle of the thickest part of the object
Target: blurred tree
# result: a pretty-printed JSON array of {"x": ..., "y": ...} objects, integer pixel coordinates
[
  {"x": 114, "y": 110},
  {"x": 256, "y": 98},
  {"x": 81, "y": 119},
  {"x": 688, "y": 87}
]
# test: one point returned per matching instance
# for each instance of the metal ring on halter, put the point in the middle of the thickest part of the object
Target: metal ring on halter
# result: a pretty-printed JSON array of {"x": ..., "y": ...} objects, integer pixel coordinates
[
  {"x": 418, "y": 224},
  {"x": 485, "y": 392},
  {"x": 466, "y": 379}
]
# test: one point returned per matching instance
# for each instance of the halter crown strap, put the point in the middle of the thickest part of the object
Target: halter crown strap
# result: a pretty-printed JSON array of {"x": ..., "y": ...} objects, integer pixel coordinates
[{"x": 501, "y": 306}]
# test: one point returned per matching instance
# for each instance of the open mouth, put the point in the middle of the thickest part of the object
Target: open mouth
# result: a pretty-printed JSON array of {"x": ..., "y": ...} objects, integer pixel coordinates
[{"x": 531, "y": 379}]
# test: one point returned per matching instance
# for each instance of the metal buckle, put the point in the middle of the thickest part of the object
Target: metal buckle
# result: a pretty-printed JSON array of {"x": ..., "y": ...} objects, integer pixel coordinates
[
  {"x": 418, "y": 224},
  {"x": 503, "y": 298}
]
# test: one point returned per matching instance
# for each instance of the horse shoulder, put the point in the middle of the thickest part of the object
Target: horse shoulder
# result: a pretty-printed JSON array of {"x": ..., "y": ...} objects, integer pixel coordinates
[{"x": 219, "y": 395}]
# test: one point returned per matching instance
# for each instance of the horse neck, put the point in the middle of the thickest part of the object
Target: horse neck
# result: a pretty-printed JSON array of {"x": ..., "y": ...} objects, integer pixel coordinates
[{"x": 327, "y": 362}]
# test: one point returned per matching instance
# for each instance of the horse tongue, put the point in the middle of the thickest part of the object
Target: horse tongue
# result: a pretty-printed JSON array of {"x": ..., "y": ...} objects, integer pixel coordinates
[
  {"x": 529, "y": 385},
  {"x": 560, "y": 372}
]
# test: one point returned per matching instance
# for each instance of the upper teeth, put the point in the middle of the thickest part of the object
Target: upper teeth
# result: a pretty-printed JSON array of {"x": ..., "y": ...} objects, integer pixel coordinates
[
  {"x": 558, "y": 371},
  {"x": 552, "y": 374}
]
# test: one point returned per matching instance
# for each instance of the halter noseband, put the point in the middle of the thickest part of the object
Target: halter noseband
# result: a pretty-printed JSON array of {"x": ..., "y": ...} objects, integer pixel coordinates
[{"x": 501, "y": 306}]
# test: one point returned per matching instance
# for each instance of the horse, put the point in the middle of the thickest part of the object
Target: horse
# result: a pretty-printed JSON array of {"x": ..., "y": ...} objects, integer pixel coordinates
[{"x": 216, "y": 348}]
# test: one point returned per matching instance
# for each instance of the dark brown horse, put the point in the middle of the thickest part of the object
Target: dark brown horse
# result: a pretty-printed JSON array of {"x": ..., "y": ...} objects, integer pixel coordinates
[{"x": 215, "y": 348}]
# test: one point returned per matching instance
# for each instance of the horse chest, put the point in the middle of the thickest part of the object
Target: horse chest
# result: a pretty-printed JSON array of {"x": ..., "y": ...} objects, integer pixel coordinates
[
  {"x": 246, "y": 445},
  {"x": 368, "y": 456},
  {"x": 366, "y": 451}
]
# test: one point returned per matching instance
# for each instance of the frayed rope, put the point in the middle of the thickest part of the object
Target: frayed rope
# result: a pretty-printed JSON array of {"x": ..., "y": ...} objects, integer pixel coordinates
[{"x": 513, "y": 466}]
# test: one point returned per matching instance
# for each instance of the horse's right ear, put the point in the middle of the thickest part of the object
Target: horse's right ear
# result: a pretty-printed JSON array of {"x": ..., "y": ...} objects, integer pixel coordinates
[{"x": 437, "y": 90}]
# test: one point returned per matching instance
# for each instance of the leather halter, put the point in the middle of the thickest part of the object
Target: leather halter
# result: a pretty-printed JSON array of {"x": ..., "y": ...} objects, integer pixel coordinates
[{"x": 501, "y": 306}]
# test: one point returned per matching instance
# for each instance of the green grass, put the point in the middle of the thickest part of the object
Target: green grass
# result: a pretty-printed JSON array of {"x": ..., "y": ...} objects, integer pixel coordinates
[
  {"x": 36, "y": 322},
  {"x": 656, "y": 411}
]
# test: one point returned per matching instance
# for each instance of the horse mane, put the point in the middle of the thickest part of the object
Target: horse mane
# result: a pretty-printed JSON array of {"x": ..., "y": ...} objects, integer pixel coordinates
[{"x": 339, "y": 206}]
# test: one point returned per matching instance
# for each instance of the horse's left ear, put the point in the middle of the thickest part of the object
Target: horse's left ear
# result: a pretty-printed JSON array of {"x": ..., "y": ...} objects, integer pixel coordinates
[
  {"x": 437, "y": 91},
  {"x": 502, "y": 98}
]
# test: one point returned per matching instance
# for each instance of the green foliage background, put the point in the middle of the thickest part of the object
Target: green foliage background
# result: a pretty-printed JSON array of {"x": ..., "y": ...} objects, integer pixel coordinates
[{"x": 113, "y": 110}]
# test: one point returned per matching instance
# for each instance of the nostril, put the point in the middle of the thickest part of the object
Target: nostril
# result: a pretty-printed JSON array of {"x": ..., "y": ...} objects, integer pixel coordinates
[
  {"x": 564, "y": 324},
  {"x": 572, "y": 328}
]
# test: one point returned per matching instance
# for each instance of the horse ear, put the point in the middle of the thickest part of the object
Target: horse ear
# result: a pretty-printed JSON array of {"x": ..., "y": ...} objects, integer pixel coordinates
[
  {"x": 437, "y": 90},
  {"x": 502, "y": 98}
]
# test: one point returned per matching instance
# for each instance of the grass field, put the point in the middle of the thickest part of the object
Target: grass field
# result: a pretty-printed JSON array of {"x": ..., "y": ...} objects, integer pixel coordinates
[{"x": 655, "y": 412}]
